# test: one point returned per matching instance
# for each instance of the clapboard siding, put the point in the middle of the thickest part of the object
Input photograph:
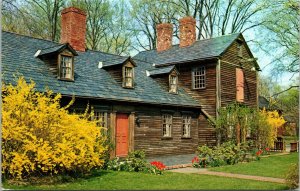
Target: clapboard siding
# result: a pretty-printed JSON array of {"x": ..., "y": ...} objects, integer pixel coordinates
[
  {"x": 206, "y": 133},
  {"x": 206, "y": 96},
  {"x": 229, "y": 62}
]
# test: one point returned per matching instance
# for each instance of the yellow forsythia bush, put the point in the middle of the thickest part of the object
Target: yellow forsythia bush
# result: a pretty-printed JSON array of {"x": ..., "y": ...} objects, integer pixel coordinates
[
  {"x": 41, "y": 138},
  {"x": 268, "y": 131}
]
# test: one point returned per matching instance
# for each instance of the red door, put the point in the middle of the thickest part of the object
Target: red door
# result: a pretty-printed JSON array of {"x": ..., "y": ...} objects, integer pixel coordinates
[{"x": 122, "y": 135}]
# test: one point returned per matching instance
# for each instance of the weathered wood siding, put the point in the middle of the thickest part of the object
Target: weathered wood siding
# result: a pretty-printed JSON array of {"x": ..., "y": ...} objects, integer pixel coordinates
[
  {"x": 206, "y": 133},
  {"x": 229, "y": 62},
  {"x": 148, "y": 136},
  {"x": 206, "y": 96}
]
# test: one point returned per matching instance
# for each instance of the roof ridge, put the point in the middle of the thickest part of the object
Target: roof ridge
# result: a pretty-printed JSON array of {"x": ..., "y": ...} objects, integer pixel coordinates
[
  {"x": 27, "y": 36},
  {"x": 105, "y": 53},
  {"x": 173, "y": 45}
]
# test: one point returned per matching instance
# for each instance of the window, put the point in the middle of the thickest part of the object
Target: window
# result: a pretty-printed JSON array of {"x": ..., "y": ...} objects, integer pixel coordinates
[
  {"x": 66, "y": 67},
  {"x": 167, "y": 125},
  {"x": 128, "y": 77},
  {"x": 100, "y": 117},
  {"x": 240, "y": 49},
  {"x": 198, "y": 78},
  {"x": 173, "y": 81},
  {"x": 186, "y": 126},
  {"x": 239, "y": 85}
]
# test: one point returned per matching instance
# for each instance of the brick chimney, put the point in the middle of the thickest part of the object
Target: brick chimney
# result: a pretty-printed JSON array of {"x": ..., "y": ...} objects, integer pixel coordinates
[
  {"x": 73, "y": 28},
  {"x": 187, "y": 29},
  {"x": 164, "y": 36}
]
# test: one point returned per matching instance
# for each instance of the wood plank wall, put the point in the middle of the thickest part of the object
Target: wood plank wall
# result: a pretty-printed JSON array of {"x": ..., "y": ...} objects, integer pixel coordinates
[
  {"x": 206, "y": 96},
  {"x": 229, "y": 62}
]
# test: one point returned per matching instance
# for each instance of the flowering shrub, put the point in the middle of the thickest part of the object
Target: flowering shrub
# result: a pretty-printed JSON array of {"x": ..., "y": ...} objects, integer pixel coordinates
[
  {"x": 195, "y": 162},
  {"x": 41, "y": 138},
  {"x": 135, "y": 161},
  {"x": 157, "y": 167},
  {"x": 258, "y": 153}
]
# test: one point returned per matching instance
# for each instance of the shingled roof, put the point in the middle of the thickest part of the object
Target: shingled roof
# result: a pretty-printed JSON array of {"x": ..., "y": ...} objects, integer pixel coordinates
[
  {"x": 90, "y": 81},
  {"x": 202, "y": 49}
]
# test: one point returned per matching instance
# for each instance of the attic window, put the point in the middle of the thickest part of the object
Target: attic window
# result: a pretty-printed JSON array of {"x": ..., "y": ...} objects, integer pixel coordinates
[
  {"x": 66, "y": 67},
  {"x": 128, "y": 77},
  {"x": 173, "y": 83},
  {"x": 240, "y": 49}
]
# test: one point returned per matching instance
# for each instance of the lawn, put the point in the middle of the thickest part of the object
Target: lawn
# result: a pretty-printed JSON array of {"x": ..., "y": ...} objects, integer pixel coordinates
[
  {"x": 272, "y": 166},
  {"x": 110, "y": 180}
]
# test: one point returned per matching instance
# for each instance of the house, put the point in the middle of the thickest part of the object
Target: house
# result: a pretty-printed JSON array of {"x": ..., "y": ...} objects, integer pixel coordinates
[{"x": 162, "y": 101}]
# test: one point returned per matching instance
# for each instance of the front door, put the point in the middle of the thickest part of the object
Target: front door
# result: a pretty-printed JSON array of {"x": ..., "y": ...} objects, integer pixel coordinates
[{"x": 122, "y": 135}]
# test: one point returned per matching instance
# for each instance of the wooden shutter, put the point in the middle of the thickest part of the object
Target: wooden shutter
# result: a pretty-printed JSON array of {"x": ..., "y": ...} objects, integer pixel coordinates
[{"x": 239, "y": 85}]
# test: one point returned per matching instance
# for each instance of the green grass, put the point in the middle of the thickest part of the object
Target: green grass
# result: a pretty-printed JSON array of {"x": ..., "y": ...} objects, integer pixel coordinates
[
  {"x": 272, "y": 166},
  {"x": 109, "y": 180}
]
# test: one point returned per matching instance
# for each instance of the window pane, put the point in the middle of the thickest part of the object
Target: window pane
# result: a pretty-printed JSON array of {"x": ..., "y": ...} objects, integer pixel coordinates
[
  {"x": 66, "y": 67},
  {"x": 199, "y": 77}
]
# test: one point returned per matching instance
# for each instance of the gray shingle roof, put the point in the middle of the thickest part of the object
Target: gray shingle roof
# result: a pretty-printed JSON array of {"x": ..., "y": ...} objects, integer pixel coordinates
[
  {"x": 161, "y": 70},
  {"x": 202, "y": 49},
  {"x": 115, "y": 62},
  {"x": 57, "y": 48},
  {"x": 90, "y": 81}
]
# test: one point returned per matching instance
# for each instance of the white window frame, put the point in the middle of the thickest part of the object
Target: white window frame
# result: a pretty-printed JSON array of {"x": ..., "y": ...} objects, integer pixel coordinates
[
  {"x": 186, "y": 125},
  {"x": 101, "y": 118},
  {"x": 66, "y": 67},
  {"x": 173, "y": 83},
  {"x": 199, "y": 77},
  {"x": 128, "y": 76},
  {"x": 167, "y": 125}
]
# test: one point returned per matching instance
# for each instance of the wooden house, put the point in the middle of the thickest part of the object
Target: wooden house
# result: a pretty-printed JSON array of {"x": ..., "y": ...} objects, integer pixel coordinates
[{"x": 162, "y": 101}]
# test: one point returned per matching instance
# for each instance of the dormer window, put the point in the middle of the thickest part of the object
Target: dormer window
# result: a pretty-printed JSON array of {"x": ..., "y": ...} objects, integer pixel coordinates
[
  {"x": 66, "y": 67},
  {"x": 128, "y": 77},
  {"x": 60, "y": 59},
  {"x": 173, "y": 83}
]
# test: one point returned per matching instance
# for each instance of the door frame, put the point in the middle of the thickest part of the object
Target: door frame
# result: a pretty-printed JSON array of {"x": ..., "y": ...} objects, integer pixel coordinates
[{"x": 113, "y": 126}]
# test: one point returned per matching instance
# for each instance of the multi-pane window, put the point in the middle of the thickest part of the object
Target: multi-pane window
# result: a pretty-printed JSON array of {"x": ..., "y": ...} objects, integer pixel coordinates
[
  {"x": 66, "y": 67},
  {"x": 128, "y": 77},
  {"x": 166, "y": 125},
  {"x": 173, "y": 83},
  {"x": 198, "y": 77},
  {"x": 100, "y": 117},
  {"x": 240, "y": 49},
  {"x": 186, "y": 126}
]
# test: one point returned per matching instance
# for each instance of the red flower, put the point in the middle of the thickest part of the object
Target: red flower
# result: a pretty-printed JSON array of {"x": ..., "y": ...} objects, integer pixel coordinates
[
  {"x": 259, "y": 152},
  {"x": 195, "y": 160},
  {"x": 267, "y": 149},
  {"x": 158, "y": 165}
]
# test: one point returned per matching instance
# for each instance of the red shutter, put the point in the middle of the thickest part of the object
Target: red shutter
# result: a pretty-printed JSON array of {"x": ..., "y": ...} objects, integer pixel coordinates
[{"x": 239, "y": 85}]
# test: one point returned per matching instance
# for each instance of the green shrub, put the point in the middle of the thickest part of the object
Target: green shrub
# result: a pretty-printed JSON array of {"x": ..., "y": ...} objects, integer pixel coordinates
[
  {"x": 226, "y": 154},
  {"x": 292, "y": 178},
  {"x": 135, "y": 161}
]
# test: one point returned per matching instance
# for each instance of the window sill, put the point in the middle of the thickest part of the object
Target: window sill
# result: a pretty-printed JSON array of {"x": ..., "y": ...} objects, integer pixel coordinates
[
  {"x": 186, "y": 137},
  {"x": 198, "y": 88},
  {"x": 66, "y": 79},
  {"x": 127, "y": 87},
  {"x": 166, "y": 138}
]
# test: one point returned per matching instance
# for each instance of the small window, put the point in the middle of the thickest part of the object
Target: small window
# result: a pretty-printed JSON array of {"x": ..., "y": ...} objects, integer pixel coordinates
[
  {"x": 240, "y": 49},
  {"x": 173, "y": 82},
  {"x": 186, "y": 126},
  {"x": 66, "y": 67},
  {"x": 101, "y": 118},
  {"x": 128, "y": 77},
  {"x": 166, "y": 125},
  {"x": 239, "y": 85},
  {"x": 198, "y": 78}
]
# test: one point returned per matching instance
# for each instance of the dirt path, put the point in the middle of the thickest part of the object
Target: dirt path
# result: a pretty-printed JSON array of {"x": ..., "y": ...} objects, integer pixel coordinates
[{"x": 225, "y": 174}]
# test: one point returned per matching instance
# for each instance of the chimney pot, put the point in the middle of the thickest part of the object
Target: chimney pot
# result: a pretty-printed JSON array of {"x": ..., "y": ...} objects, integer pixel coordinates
[
  {"x": 187, "y": 29},
  {"x": 164, "y": 36},
  {"x": 73, "y": 28}
]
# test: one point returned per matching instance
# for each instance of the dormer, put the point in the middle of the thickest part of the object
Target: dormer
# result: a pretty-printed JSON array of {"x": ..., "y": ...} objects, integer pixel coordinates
[
  {"x": 121, "y": 69},
  {"x": 167, "y": 76},
  {"x": 60, "y": 59}
]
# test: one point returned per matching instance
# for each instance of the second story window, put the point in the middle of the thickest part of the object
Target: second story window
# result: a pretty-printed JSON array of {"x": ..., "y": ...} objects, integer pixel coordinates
[
  {"x": 198, "y": 78},
  {"x": 166, "y": 125},
  {"x": 66, "y": 68},
  {"x": 173, "y": 82},
  {"x": 128, "y": 77}
]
